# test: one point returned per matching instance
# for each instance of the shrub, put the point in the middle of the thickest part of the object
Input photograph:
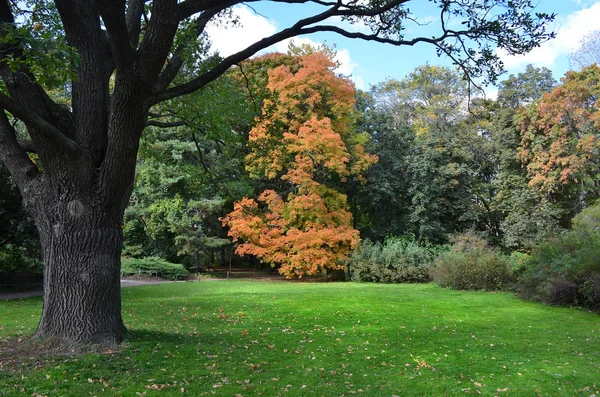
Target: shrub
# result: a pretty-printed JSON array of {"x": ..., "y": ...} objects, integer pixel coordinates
[
  {"x": 590, "y": 292},
  {"x": 154, "y": 266},
  {"x": 517, "y": 263},
  {"x": 397, "y": 260},
  {"x": 566, "y": 269},
  {"x": 471, "y": 265},
  {"x": 16, "y": 259}
]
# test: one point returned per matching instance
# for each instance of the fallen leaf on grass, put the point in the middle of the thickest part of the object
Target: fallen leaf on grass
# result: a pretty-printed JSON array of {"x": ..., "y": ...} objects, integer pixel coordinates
[{"x": 156, "y": 386}]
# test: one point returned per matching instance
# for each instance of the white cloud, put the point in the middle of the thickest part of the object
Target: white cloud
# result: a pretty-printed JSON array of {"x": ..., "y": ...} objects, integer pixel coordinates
[
  {"x": 491, "y": 93},
  {"x": 349, "y": 68},
  {"x": 569, "y": 32},
  {"x": 358, "y": 26},
  {"x": 228, "y": 40}
]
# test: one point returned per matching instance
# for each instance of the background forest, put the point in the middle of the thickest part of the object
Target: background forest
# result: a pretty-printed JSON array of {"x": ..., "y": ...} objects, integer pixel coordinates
[{"x": 419, "y": 179}]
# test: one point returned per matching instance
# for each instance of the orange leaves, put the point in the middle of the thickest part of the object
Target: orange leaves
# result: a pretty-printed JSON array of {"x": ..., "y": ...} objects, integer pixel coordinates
[
  {"x": 301, "y": 139},
  {"x": 302, "y": 234},
  {"x": 559, "y": 141}
]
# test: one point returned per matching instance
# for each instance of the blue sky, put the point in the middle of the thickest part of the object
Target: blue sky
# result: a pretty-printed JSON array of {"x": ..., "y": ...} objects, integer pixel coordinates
[{"x": 370, "y": 63}]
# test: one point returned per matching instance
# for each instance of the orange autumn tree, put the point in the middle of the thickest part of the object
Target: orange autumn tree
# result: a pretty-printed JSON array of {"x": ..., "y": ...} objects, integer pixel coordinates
[
  {"x": 303, "y": 141},
  {"x": 559, "y": 135}
]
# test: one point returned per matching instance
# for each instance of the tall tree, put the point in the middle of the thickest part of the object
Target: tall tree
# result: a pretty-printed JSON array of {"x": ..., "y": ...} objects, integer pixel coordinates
[
  {"x": 559, "y": 140},
  {"x": 122, "y": 58},
  {"x": 303, "y": 141},
  {"x": 525, "y": 216},
  {"x": 424, "y": 178}
]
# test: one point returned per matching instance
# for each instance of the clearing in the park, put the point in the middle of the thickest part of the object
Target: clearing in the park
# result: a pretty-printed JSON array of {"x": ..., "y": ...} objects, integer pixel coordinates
[{"x": 280, "y": 338}]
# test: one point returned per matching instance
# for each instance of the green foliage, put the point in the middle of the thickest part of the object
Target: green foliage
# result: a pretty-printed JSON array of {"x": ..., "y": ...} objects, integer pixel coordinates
[
  {"x": 471, "y": 265},
  {"x": 525, "y": 217},
  {"x": 529, "y": 218},
  {"x": 153, "y": 265},
  {"x": 566, "y": 270},
  {"x": 525, "y": 87},
  {"x": 517, "y": 263},
  {"x": 19, "y": 244},
  {"x": 397, "y": 260},
  {"x": 189, "y": 175},
  {"x": 17, "y": 259},
  {"x": 429, "y": 156}
]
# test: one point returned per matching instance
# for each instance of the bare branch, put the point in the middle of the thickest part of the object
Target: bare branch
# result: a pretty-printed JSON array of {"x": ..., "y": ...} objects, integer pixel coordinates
[
  {"x": 41, "y": 126},
  {"x": 133, "y": 16},
  {"x": 113, "y": 16},
  {"x": 175, "y": 62},
  {"x": 165, "y": 124},
  {"x": 13, "y": 155},
  {"x": 247, "y": 82},
  {"x": 188, "y": 8}
]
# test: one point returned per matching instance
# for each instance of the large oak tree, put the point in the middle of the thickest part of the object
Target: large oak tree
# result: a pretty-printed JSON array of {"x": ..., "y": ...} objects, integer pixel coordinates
[{"x": 125, "y": 57}]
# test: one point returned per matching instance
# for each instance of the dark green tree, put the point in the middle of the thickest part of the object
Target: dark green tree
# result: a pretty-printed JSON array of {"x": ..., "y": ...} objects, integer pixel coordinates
[
  {"x": 527, "y": 218},
  {"x": 422, "y": 185}
]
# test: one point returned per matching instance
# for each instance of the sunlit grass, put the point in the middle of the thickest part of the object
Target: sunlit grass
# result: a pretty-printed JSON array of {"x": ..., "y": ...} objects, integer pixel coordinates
[{"x": 249, "y": 338}]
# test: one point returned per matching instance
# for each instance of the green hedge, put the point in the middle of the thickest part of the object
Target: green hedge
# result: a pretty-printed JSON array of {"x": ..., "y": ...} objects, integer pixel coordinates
[
  {"x": 472, "y": 265},
  {"x": 397, "y": 260},
  {"x": 154, "y": 266}
]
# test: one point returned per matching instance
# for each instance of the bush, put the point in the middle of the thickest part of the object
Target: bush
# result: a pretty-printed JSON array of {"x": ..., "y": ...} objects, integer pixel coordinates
[
  {"x": 397, "y": 260},
  {"x": 517, "y": 264},
  {"x": 590, "y": 292},
  {"x": 566, "y": 269},
  {"x": 471, "y": 265},
  {"x": 154, "y": 266},
  {"x": 15, "y": 259}
]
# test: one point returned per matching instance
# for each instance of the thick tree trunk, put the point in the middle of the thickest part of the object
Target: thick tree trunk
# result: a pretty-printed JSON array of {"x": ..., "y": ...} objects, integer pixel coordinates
[{"x": 82, "y": 294}]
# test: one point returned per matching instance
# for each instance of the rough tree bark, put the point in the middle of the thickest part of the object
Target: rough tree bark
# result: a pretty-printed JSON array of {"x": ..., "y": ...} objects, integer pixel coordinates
[{"x": 78, "y": 184}]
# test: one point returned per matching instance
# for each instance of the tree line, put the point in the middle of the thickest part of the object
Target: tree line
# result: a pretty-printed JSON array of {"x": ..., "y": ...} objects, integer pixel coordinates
[{"x": 296, "y": 164}]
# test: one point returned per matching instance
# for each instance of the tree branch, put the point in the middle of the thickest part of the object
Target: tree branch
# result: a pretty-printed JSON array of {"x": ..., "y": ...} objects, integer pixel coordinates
[
  {"x": 133, "y": 17},
  {"x": 13, "y": 156},
  {"x": 158, "y": 38},
  {"x": 113, "y": 16},
  {"x": 81, "y": 21},
  {"x": 175, "y": 62},
  {"x": 188, "y": 8},
  {"x": 21, "y": 84},
  {"x": 41, "y": 126},
  {"x": 165, "y": 124}
]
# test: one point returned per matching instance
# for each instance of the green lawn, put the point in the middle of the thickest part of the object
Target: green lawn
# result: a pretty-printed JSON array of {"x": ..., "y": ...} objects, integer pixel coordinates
[{"x": 250, "y": 338}]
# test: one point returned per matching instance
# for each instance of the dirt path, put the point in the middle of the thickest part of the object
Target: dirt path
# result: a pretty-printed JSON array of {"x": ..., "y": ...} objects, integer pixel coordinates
[{"x": 124, "y": 283}]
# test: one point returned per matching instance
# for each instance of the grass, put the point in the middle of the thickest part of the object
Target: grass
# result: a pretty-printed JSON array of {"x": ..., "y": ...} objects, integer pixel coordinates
[{"x": 257, "y": 338}]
